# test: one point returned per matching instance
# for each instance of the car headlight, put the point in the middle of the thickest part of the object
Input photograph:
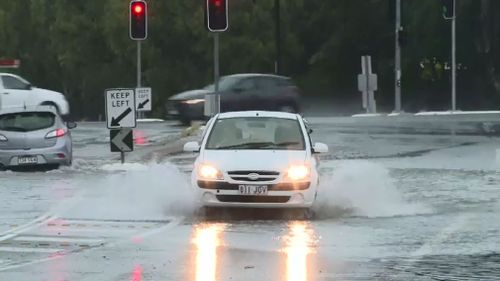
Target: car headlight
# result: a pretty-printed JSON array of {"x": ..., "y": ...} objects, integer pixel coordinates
[
  {"x": 298, "y": 172},
  {"x": 209, "y": 172},
  {"x": 194, "y": 101}
]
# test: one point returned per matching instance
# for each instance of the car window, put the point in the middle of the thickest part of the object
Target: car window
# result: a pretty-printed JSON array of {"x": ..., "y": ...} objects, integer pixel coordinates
[
  {"x": 246, "y": 84},
  {"x": 225, "y": 83},
  {"x": 13, "y": 83},
  {"x": 26, "y": 121},
  {"x": 266, "y": 83},
  {"x": 256, "y": 133}
]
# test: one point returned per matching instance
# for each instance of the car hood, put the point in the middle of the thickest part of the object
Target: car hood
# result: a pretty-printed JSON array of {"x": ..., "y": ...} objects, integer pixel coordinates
[
  {"x": 193, "y": 94},
  {"x": 260, "y": 160}
]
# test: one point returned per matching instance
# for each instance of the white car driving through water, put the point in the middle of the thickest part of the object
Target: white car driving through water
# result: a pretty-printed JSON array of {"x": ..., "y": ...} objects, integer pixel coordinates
[{"x": 256, "y": 159}]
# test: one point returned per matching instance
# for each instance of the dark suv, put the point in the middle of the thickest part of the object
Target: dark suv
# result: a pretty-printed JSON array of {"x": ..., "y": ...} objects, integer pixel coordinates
[{"x": 238, "y": 92}]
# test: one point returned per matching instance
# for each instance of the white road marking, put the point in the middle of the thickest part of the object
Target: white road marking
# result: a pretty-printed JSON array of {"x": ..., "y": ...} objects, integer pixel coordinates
[
  {"x": 173, "y": 223},
  {"x": 32, "y": 224},
  {"x": 57, "y": 239},
  {"x": 7, "y": 237},
  {"x": 29, "y": 250}
]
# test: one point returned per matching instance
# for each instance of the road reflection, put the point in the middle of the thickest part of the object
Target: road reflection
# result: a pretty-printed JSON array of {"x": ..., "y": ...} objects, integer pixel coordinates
[
  {"x": 298, "y": 246},
  {"x": 137, "y": 273},
  {"x": 206, "y": 239}
]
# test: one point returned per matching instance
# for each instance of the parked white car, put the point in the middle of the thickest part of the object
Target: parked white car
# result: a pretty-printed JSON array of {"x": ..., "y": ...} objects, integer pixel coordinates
[
  {"x": 256, "y": 159},
  {"x": 16, "y": 92}
]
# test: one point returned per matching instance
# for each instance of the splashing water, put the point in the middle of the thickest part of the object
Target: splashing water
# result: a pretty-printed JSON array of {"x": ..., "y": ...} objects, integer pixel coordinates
[
  {"x": 136, "y": 191},
  {"x": 362, "y": 188}
]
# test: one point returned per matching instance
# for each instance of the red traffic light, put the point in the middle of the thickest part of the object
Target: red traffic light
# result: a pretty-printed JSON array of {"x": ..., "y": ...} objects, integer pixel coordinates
[
  {"x": 138, "y": 20},
  {"x": 138, "y": 8},
  {"x": 216, "y": 15}
]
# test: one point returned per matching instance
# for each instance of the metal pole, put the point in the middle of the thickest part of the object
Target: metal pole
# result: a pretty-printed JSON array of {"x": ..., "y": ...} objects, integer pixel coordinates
[
  {"x": 122, "y": 156},
  {"x": 454, "y": 61},
  {"x": 216, "y": 108},
  {"x": 139, "y": 69},
  {"x": 278, "y": 36},
  {"x": 397, "y": 65},
  {"x": 371, "y": 94}
]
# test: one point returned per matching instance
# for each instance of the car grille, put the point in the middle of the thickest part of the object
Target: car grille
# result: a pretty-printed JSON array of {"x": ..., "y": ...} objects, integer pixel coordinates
[
  {"x": 253, "y": 176},
  {"x": 252, "y": 199},
  {"x": 273, "y": 187}
]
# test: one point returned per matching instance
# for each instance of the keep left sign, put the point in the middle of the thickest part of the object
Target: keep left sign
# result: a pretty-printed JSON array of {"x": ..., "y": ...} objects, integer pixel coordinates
[{"x": 120, "y": 108}]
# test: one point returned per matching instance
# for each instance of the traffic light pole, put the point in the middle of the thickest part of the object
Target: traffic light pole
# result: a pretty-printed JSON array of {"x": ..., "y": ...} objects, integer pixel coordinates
[
  {"x": 139, "y": 70},
  {"x": 454, "y": 60},
  {"x": 397, "y": 59},
  {"x": 277, "y": 67},
  {"x": 216, "y": 104}
]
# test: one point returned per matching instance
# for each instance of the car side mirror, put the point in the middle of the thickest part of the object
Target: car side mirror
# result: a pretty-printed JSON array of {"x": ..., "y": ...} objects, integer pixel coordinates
[
  {"x": 71, "y": 125},
  {"x": 29, "y": 87},
  {"x": 320, "y": 148},
  {"x": 192, "y": 146}
]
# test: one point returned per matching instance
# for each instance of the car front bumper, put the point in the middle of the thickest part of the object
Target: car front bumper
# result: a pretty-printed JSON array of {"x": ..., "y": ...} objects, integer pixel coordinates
[
  {"x": 45, "y": 156},
  {"x": 273, "y": 199}
]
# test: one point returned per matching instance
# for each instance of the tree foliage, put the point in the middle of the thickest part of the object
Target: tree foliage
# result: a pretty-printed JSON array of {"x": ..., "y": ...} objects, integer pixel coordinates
[{"x": 81, "y": 47}]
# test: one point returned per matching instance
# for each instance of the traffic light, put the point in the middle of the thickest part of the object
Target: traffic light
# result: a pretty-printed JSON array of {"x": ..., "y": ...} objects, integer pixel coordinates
[
  {"x": 138, "y": 20},
  {"x": 448, "y": 9},
  {"x": 216, "y": 15}
]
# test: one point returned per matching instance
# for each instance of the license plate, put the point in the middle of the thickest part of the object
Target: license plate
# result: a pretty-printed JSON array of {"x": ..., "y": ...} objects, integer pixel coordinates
[
  {"x": 253, "y": 189},
  {"x": 173, "y": 112},
  {"x": 27, "y": 160}
]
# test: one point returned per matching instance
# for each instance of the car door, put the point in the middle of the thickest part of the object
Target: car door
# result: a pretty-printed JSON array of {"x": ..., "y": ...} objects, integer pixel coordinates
[
  {"x": 15, "y": 92},
  {"x": 240, "y": 97},
  {"x": 266, "y": 93}
]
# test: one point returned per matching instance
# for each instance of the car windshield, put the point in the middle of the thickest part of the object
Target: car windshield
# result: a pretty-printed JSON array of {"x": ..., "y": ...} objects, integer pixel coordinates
[
  {"x": 256, "y": 133},
  {"x": 26, "y": 121},
  {"x": 225, "y": 83}
]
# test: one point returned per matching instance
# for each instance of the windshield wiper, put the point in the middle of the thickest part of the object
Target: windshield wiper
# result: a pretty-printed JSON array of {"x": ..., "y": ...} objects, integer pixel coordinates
[
  {"x": 287, "y": 143},
  {"x": 248, "y": 145}
]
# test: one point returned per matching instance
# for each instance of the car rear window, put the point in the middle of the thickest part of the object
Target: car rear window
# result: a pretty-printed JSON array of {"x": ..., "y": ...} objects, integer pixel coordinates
[{"x": 26, "y": 121}]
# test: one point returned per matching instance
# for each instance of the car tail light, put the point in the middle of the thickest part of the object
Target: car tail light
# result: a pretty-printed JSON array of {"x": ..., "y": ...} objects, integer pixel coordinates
[
  {"x": 56, "y": 134},
  {"x": 3, "y": 138}
]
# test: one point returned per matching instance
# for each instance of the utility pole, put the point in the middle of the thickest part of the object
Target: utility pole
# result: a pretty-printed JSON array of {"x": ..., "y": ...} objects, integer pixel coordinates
[
  {"x": 397, "y": 59},
  {"x": 454, "y": 59}
]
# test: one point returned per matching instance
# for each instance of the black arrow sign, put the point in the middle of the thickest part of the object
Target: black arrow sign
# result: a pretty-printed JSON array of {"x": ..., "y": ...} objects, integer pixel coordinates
[
  {"x": 116, "y": 122},
  {"x": 141, "y": 105}
]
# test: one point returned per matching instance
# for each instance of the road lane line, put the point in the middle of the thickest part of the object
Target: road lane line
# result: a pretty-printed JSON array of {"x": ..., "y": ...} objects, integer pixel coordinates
[
  {"x": 57, "y": 239},
  {"x": 29, "y": 250},
  {"x": 172, "y": 223},
  {"x": 40, "y": 220}
]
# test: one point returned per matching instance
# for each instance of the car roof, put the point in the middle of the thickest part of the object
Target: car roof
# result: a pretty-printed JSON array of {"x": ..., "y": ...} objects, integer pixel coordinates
[
  {"x": 39, "y": 108},
  {"x": 247, "y": 75},
  {"x": 273, "y": 114}
]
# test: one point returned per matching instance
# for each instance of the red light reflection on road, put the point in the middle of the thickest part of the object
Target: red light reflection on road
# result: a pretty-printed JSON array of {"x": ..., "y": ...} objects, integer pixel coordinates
[
  {"x": 297, "y": 249},
  {"x": 137, "y": 273},
  {"x": 140, "y": 137},
  {"x": 207, "y": 239}
]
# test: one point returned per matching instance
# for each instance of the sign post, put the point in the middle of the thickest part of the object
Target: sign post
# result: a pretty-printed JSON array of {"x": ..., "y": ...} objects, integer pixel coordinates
[
  {"x": 368, "y": 84},
  {"x": 120, "y": 118}
]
